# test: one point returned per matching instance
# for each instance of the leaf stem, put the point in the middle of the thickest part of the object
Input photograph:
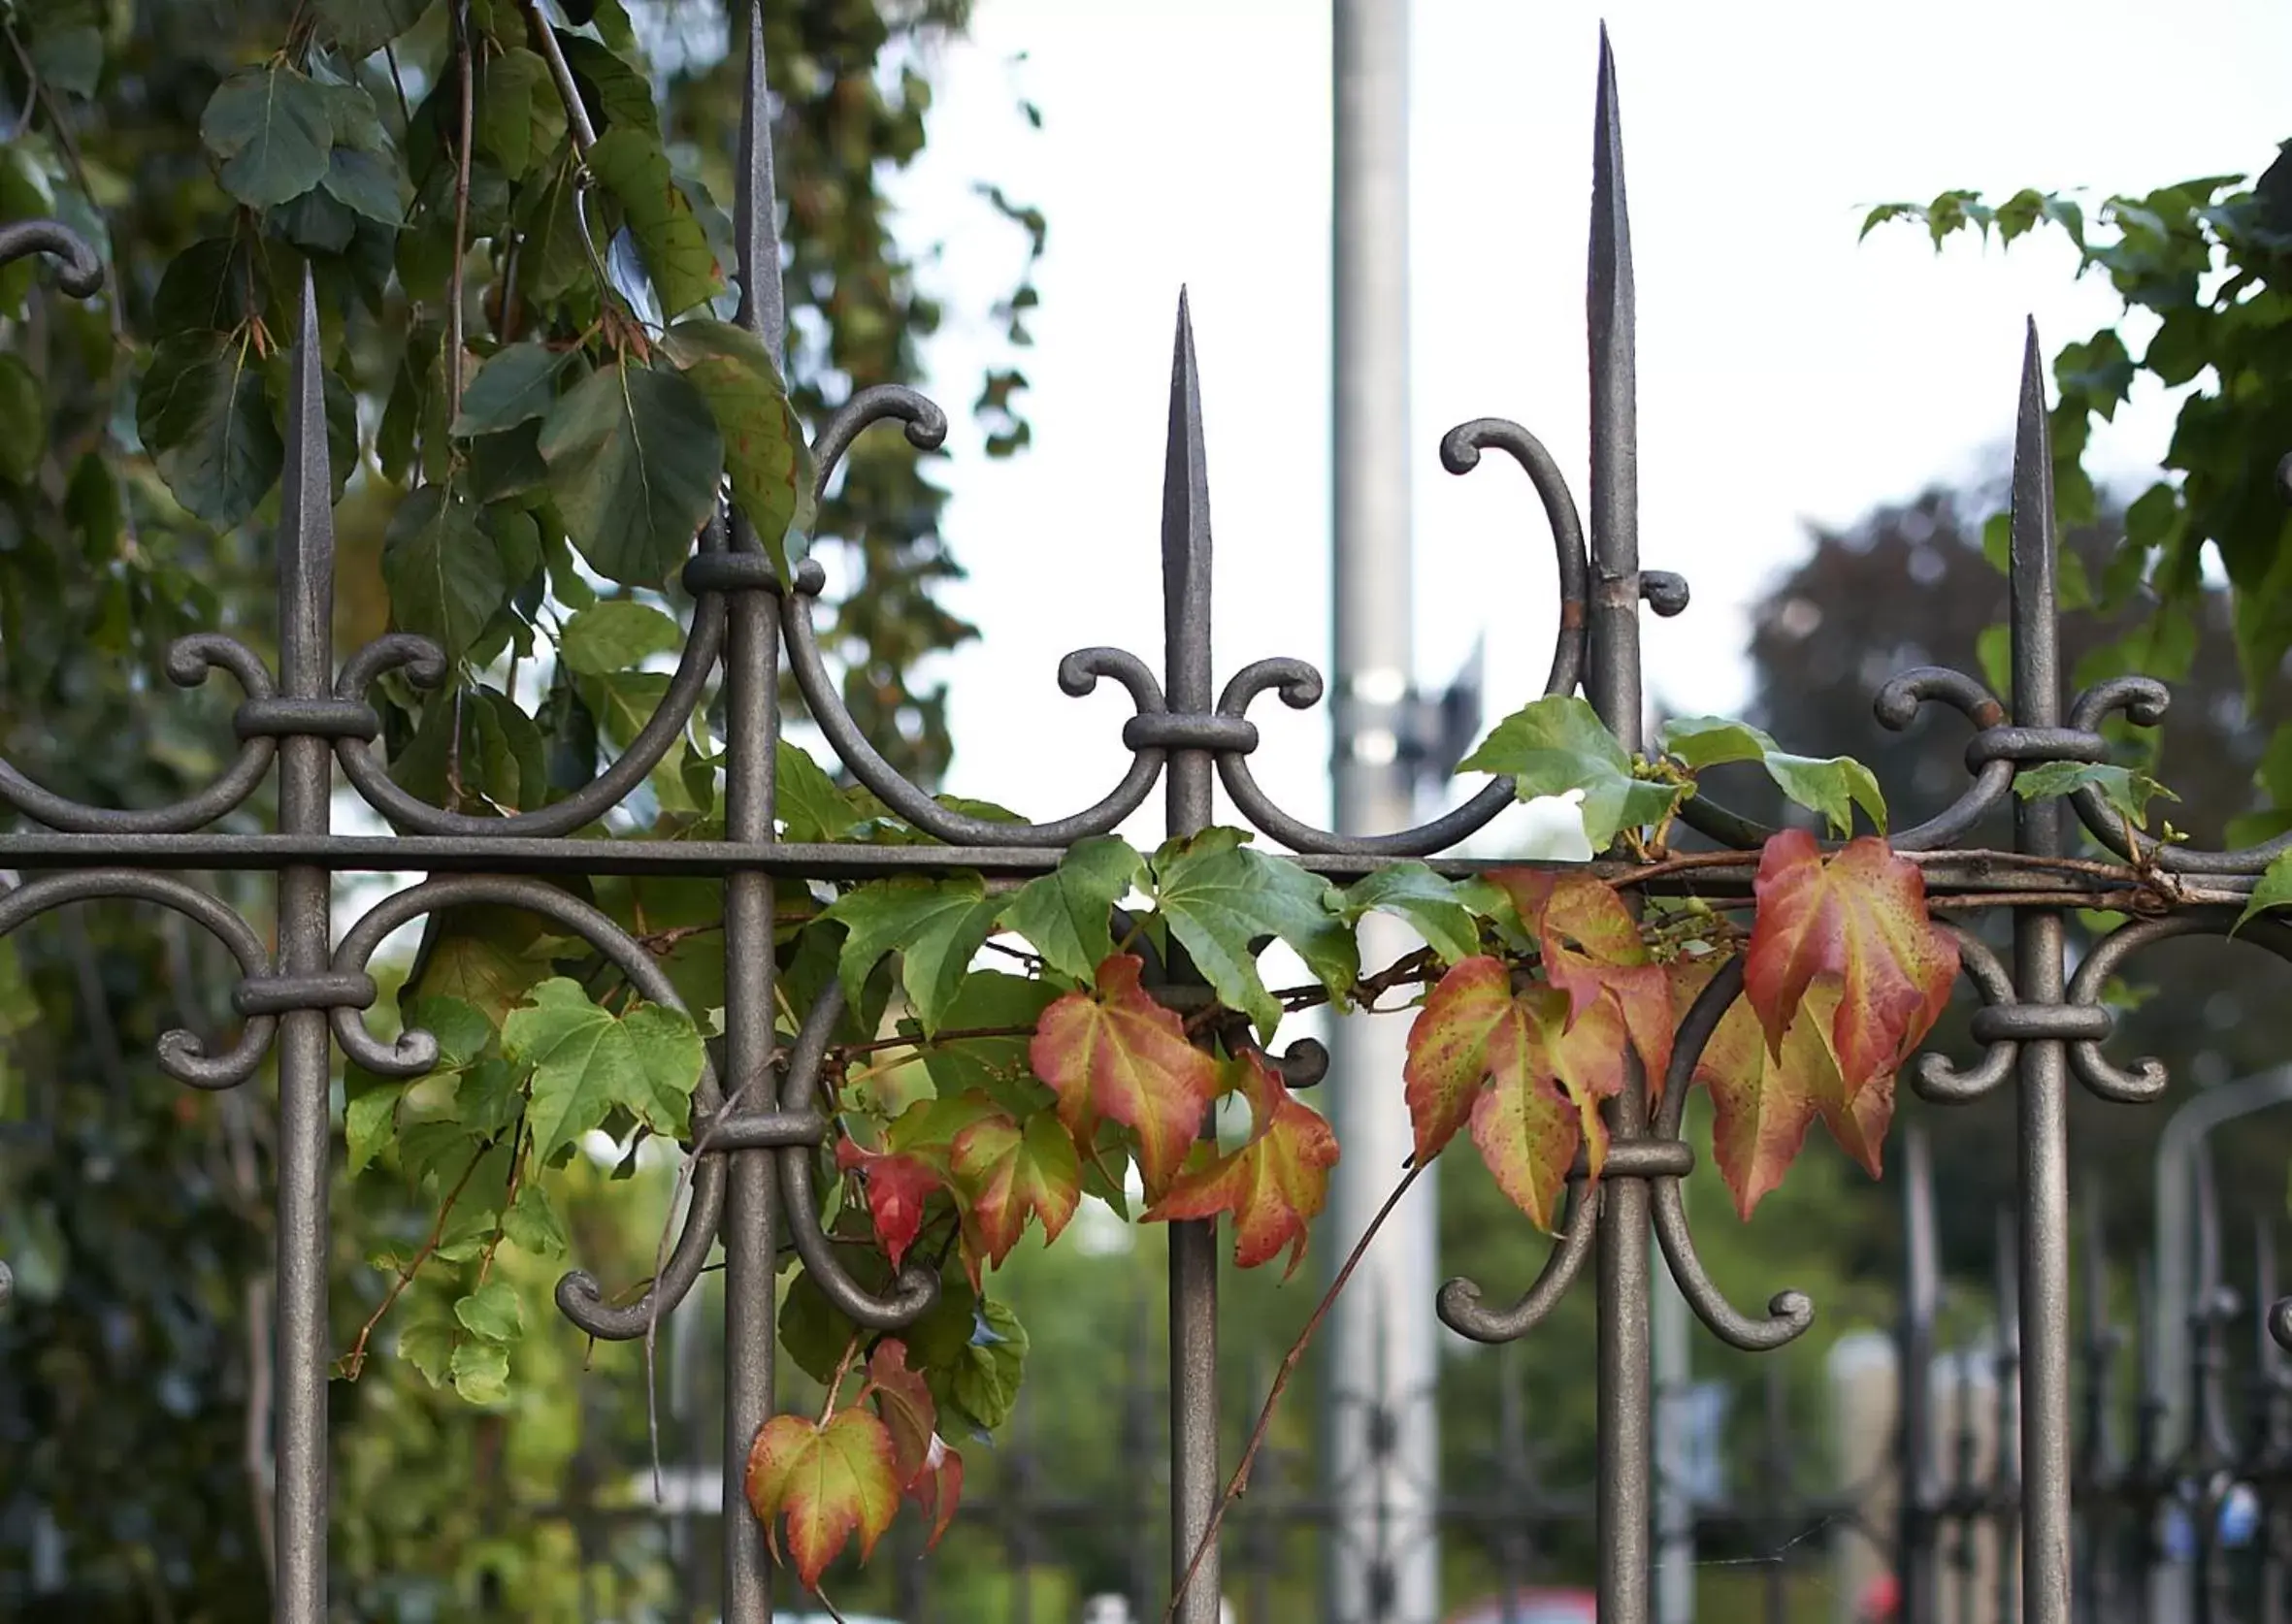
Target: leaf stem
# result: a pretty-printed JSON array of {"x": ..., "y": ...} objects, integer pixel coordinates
[
  {"x": 461, "y": 211},
  {"x": 354, "y": 1361},
  {"x": 1281, "y": 1382}
]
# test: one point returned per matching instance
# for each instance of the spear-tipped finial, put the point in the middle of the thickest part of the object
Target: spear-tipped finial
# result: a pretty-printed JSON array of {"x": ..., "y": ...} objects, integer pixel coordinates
[
  {"x": 756, "y": 223},
  {"x": 2032, "y": 548},
  {"x": 1612, "y": 680},
  {"x": 1186, "y": 532},
  {"x": 305, "y": 519}
]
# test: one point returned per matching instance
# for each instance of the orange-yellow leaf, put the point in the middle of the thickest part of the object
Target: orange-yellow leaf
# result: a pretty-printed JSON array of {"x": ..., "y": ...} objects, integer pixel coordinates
[
  {"x": 1764, "y": 1100},
  {"x": 1861, "y": 917},
  {"x": 1008, "y": 1173},
  {"x": 1116, "y": 1053},
  {"x": 898, "y": 1186},
  {"x": 1546, "y": 1080},
  {"x": 1592, "y": 950},
  {"x": 1447, "y": 1049},
  {"x": 829, "y": 1480},
  {"x": 1275, "y": 1185}
]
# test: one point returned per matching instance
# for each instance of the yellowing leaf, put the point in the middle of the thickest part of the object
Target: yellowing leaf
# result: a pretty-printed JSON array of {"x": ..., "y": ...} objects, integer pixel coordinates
[
  {"x": 1763, "y": 1099},
  {"x": 928, "y": 1471},
  {"x": 1860, "y": 916},
  {"x": 1009, "y": 1173},
  {"x": 831, "y": 1479},
  {"x": 1592, "y": 949},
  {"x": 1275, "y": 1185},
  {"x": 1116, "y": 1053}
]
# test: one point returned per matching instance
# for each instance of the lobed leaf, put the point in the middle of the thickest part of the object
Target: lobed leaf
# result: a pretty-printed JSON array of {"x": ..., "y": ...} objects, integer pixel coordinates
[
  {"x": 1411, "y": 892},
  {"x": 1115, "y": 1053},
  {"x": 1009, "y": 1173},
  {"x": 1220, "y": 895},
  {"x": 586, "y": 1063},
  {"x": 897, "y": 1184},
  {"x": 1066, "y": 914},
  {"x": 1275, "y": 1185},
  {"x": 2122, "y": 790},
  {"x": 1559, "y": 744},
  {"x": 829, "y": 1480},
  {"x": 1833, "y": 786},
  {"x": 937, "y": 927}
]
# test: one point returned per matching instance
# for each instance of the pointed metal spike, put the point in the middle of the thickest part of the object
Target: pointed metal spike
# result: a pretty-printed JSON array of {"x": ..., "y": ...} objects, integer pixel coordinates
[
  {"x": 1612, "y": 682},
  {"x": 2033, "y": 552},
  {"x": 1186, "y": 533},
  {"x": 756, "y": 222},
  {"x": 306, "y": 520}
]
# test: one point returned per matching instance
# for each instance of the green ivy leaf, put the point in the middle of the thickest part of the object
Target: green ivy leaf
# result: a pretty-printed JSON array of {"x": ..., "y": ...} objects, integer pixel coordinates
[
  {"x": 429, "y": 1347},
  {"x": 23, "y": 422},
  {"x": 482, "y": 1371},
  {"x": 985, "y": 1381},
  {"x": 271, "y": 131},
  {"x": 2123, "y": 790},
  {"x": 531, "y": 1224},
  {"x": 998, "y": 1067},
  {"x": 1559, "y": 744},
  {"x": 628, "y": 163},
  {"x": 444, "y": 573},
  {"x": 1067, "y": 914},
  {"x": 813, "y": 807},
  {"x": 517, "y": 384},
  {"x": 1832, "y": 786},
  {"x": 634, "y": 460},
  {"x": 369, "y": 1120},
  {"x": 2273, "y": 889},
  {"x": 518, "y": 119},
  {"x": 615, "y": 636},
  {"x": 586, "y": 1063},
  {"x": 204, "y": 413},
  {"x": 771, "y": 465},
  {"x": 491, "y": 1313},
  {"x": 1219, "y": 895},
  {"x": 1431, "y": 905},
  {"x": 935, "y": 926}
]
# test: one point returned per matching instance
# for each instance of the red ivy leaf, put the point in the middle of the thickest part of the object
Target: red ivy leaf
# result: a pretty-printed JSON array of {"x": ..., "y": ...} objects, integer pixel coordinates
[
  {"x": 1116, "y": 1053},
  {"x": 1528, "y": 1077},
  {"x": 1274, "y": 1186},
  {"x": 898, "y": 1185},
  {"x": 1860, "y": 916},
  {"x": 830, "y": 1479},
  {"x": 1009, "y": 1173},
  {"x": 926, "y": 1470},
  {"x": 1591, "y": 949}
]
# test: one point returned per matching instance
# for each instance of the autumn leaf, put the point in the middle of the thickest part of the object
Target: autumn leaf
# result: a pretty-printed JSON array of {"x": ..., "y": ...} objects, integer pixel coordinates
[
  {"x": 898, "y": 1185},
  {"x": 1592, "y": 949},
  {"x": 926, "y": 1470},
  {"x": 830, "y": 1479},
  {"x": 1763, "y": 1100},
  {"x": 1275, "y": 1185},
  {"x": 1115, "y": 1053},
  {"x": 1860, "y": 916},
  {"x": 1008, "y": 1173},
  {"x": 1516, "y": 1067},
  {"x": 1545, "y": 1081}
]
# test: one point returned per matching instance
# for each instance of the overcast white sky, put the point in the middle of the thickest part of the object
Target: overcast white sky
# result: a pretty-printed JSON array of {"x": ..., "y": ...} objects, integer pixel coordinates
[{"x": 1787, "y": 374}]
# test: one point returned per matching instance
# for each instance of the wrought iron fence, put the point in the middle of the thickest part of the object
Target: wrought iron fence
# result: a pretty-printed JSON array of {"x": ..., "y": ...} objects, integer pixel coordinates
[{"x": 755, "y": 1135}]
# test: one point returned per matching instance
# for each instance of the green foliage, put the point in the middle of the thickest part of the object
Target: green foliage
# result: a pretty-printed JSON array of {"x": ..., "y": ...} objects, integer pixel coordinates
[
  {"x": 2203, "y": 259},
  {"x": 1559, "y": 744},
  {"x": 2122, "y": 790}
]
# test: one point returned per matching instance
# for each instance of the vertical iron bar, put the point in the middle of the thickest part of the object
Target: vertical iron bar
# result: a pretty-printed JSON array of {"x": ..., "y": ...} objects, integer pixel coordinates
[
  {"x": 2007, "y": 1374},
  {"x": 1781, "y": 1509},
  {"x": 2038, "y": 976},
  {"x": 1626, "y": 1558},
  {"x": 2269, "y": 1434},
  {"x": 305, "y": 661},
  {"x": 752, "y": 726},
  {"x": 1193, "y": 1243},
  {"x": 1914, "y": 1532}
]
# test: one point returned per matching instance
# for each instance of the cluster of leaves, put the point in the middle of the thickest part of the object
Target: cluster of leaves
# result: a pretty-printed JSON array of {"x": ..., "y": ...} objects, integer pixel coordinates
[{"x": 2208, "y": 264}]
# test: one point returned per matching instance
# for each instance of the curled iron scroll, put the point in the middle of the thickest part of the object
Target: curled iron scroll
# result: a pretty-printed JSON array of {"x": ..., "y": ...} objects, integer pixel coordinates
[
  {"x": 1300, "y": 685},
  {"x": 1936, "y": 1077},
  {"x": 82, "y": 272},
  {"x": 578, "y": 1295},
  {"x": 2147, "y": 1077},
  {"x": 918, "y": 1288},
  {"x": 425, "y": 666},
  {"x": 182, "y": 1054},
  {"x": 1078, "y": 673},
  {"x": 2143, "y": 701},
  {"x": 188, "y": 661}
]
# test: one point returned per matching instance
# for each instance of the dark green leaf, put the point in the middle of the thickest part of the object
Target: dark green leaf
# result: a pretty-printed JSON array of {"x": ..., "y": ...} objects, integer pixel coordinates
[
  {"x": 518, "y": 116},
  {"x": 23, "y": 422},
  {"x": 587, "y": 1064},
  {"x": 635, "y": 460},
  {"x": 1832, "y": 786},
  {"x": 444, "y": 571},
  {"x": 811, "y": 807},
  {"x": 935, "y": 926},
  {"x": 1414, "y": 893},
  {"x": 366, "y": 183},
  {"x": 272, "y": 130},
  {"x": 2274, "y": 890},
  {"x": 515, "y": 385},
  {"x": 204, "y": 413},
  {"x": 764, "y": 445},
  {"x": 69, "y": 58},
  {"x": 628, "y": 163},
  {"x": 359, "y": 28},
  {"x": 2122, "y": 789}
]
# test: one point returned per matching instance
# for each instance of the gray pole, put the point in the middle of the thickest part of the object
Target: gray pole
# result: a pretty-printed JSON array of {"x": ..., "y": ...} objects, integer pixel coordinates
[{"x": 1384, "y": 1560}]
